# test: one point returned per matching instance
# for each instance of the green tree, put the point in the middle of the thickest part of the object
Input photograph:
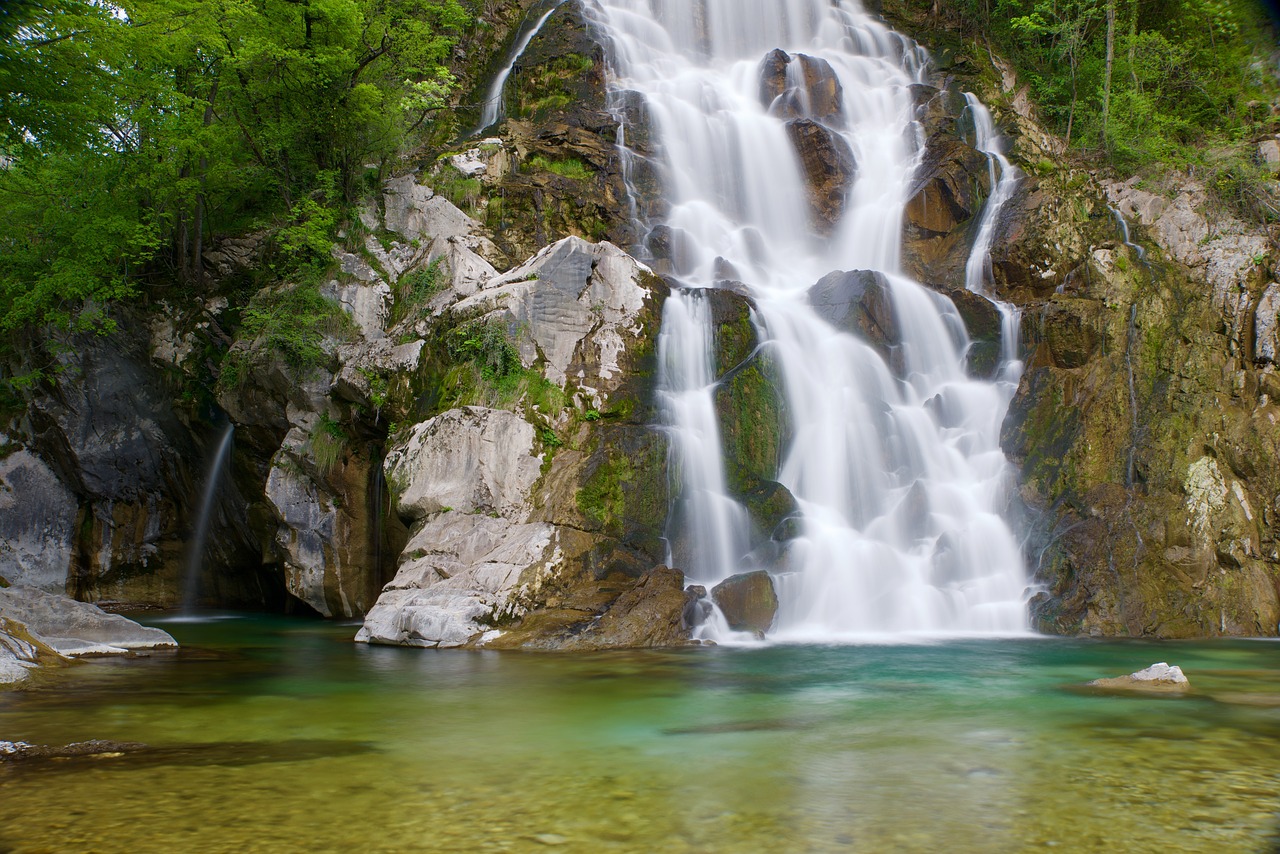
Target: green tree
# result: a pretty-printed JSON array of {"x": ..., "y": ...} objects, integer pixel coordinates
[{"x": 131, "y": 132}]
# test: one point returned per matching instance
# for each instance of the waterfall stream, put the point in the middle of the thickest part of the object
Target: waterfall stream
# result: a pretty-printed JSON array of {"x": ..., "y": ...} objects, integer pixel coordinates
[
  {"x": 195, "y": 557},
  {"x": 894, "y": 463},
  {"x": 492, "y": 108}
]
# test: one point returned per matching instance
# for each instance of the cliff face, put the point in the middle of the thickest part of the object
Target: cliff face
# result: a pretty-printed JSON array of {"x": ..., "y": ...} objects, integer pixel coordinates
[
  {"x": 1144, "y": 430},
  {"x": 466, "y": 456}
]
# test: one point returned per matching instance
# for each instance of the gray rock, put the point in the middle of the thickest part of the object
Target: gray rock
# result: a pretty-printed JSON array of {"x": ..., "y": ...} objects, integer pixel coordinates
[
  {"x": 74, "y": 628},
  {"x": 308, "y": 524},
  {"x": 472, "y": 459},
  {"x": 1269, "y": 154},
  {"x": 463, "y": 573},
  {"x": 1223, "y": 251},
  {"x": 37, "y": 523},
  {"x": 368, "y": 305},
  {"x": 1267, "y": 325},
  {"x": 574, "y": 303}
]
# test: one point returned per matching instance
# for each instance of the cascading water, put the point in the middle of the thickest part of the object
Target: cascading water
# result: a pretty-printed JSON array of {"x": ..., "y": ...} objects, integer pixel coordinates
[
  {"x": 195, "y": 557},
  {"x": 896, "y": 470},
  {"x": 492, "y": 107}
]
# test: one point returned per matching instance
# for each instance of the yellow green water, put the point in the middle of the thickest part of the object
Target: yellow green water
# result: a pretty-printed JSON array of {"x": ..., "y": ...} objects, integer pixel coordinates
[{"x": 272, "y": 735}]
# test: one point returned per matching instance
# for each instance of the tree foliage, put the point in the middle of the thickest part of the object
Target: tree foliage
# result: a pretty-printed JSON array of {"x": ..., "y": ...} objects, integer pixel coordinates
[
  {"x": 133, "y": 131},
  {"x": 1186, "y": 74}
]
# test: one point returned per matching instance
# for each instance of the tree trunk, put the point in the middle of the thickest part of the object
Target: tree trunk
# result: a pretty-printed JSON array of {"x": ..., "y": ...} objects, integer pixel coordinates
[
  {"x": 1111, "y": 53},
  {"x": 197, "y": 255}
]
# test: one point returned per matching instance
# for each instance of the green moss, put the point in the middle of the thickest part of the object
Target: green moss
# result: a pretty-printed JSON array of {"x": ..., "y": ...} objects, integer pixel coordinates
[
  {"x": 567, "y": 168},
  {"x": 753, "y": 422},
  {"x": 601, "y": 498}
]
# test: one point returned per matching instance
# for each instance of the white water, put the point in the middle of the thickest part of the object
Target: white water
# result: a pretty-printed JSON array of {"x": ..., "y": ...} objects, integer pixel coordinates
[
  {"x": 493, "y": 109},
  {"x": 195, "y": 557},
  {"x": 897, "y": 471}
]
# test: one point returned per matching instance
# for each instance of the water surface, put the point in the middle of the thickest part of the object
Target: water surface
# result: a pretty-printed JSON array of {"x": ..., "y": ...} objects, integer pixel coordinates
[{"x": 266, "y": 734}]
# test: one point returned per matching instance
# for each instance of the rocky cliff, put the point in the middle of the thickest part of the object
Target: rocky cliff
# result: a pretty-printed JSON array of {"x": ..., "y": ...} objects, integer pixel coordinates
[{"x": 455, "y": 444}]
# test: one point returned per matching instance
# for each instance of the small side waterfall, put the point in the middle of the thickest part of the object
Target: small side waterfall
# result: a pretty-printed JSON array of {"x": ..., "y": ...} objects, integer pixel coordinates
[
  {"x": 893, "y": 460},
  {"x": 195, "y": 556},
  {"x": 493, "y": 109}
]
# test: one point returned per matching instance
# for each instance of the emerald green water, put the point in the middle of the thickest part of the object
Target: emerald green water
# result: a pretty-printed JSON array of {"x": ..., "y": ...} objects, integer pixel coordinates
[{"x": 275, "y": 735}]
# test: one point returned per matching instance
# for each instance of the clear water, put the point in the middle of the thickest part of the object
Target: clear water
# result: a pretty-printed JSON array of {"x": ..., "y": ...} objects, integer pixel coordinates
[{"x": 276, "y": 735}]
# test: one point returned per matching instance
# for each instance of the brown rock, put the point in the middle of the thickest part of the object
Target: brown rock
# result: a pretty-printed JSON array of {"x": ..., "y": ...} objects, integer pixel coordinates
[
  {"x": 650, "y": 614},
  {"x": 828, "y": 167},
  {"x": 748, "y": 601}
]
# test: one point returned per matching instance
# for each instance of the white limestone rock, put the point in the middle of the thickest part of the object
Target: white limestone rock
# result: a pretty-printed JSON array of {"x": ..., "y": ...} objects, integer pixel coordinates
[
  {"x": 462, "y": 572},
  {"x": 465, "y": 476},
  {"x": 1159, "y": 677},
  {"x": 37, "y": 523},
  {"x": 1267, "y": 325},
  {"x": 1269, "y": 154},
  {"x": 74, "y": 628},
  {"x": 574, "y": 303},
  {"x": 472, "y": 459},
  {"x": 1223, "y": 251},
  {"x": 368, "y": 305},
  {"x": 308, "y": 524}
]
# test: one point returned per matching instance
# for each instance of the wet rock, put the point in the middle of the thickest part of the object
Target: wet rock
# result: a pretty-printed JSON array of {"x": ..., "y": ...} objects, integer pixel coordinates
[
  {"x": 37, "y": 523},
  {"x": 937, "y": 110},
  {"x": 753, "y": 421},
  {"x": 1159, "y": 678},
  {"x": 77, "y": 628},
  {"x": 330, "y": 543},
  {"x": 748, "y": 601},
  {"x": 949, "y": 189},
  {"x": 828, "y": 167},
  {"x": 858, "y": 301},
  {"x": 809, "y": 89},
  {"x": 1071, "y": 330},
  {"x": 735, "y": 333},
  {"x": 650, "y": 614}
]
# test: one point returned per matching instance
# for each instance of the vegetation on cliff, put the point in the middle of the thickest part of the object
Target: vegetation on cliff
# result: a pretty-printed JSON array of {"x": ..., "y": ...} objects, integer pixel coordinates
[{"x": 133, "y": 133}]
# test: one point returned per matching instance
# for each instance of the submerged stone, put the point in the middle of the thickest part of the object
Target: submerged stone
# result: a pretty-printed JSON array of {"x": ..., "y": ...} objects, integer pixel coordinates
[{"x": 1159, "y": 677}]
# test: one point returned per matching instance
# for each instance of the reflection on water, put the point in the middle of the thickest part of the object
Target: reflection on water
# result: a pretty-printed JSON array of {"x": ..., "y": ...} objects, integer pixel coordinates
[{"x": 270, "y": 735}]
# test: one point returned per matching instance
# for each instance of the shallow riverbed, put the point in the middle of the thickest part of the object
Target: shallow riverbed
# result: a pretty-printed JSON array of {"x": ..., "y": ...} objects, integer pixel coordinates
[{"x": 267, "y": 734}]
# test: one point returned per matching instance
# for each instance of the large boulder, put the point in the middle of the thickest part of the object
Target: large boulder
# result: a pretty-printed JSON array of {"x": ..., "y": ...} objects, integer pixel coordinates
[
  {"x": 74, "y": 628},
  {"x": 807, "y": 90},
  {"x": 859, "y": 302},
  {"x": 474, "y": 460},
  {"x": 748, "y": 601}
]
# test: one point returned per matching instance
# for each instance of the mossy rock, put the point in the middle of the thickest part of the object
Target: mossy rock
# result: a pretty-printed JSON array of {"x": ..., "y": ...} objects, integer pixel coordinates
[
  {"x": 735, "y": 335},
  {"x": 769, "y": 504},
  {"x": 754, "y": 423},
  {"x": 624, "y": 492}
]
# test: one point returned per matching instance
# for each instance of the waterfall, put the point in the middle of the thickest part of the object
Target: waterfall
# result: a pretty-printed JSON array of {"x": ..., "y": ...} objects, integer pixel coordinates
[
  {"x": 492, "y": 107},
  {"x": 894, "y": 464},
  {"x": 195, "y": 555}
]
